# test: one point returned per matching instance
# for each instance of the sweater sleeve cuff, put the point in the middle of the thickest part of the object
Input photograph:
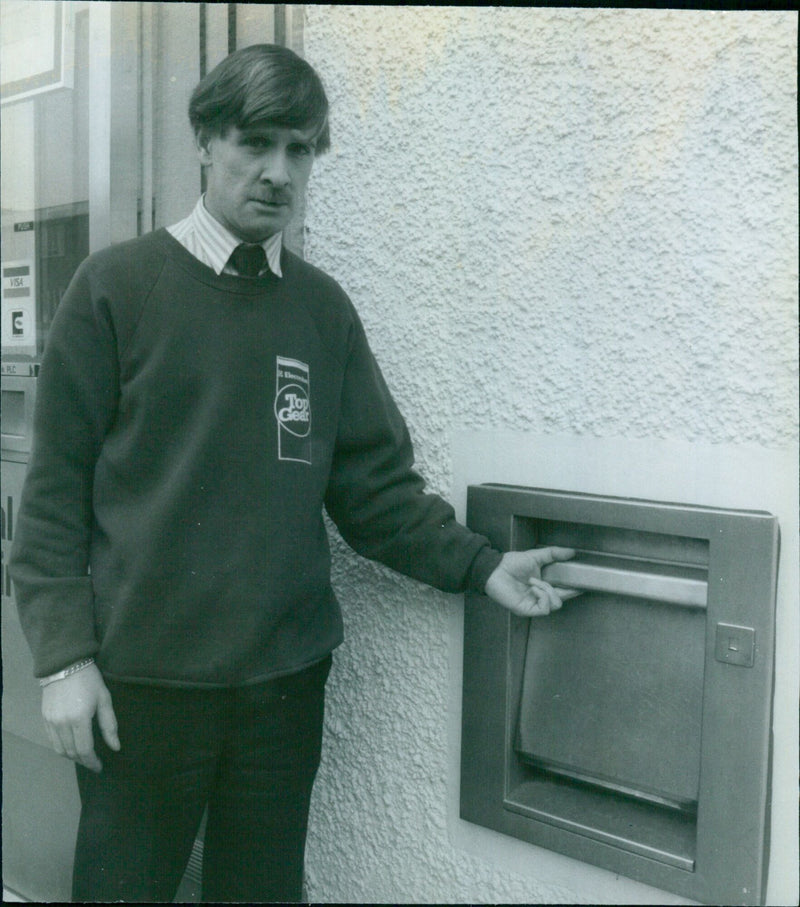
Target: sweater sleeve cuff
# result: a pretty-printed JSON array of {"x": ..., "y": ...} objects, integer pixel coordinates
[
  {"x": 484, "y": 565},
  {"x": 57, "y": 618}
]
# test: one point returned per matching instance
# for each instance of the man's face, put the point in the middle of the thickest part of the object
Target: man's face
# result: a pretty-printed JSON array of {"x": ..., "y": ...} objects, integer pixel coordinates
[{"x": 256, "y": 177}]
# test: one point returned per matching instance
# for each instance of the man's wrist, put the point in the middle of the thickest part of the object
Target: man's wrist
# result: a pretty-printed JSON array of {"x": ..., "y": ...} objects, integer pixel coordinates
[{"x": 66, "y": 672}]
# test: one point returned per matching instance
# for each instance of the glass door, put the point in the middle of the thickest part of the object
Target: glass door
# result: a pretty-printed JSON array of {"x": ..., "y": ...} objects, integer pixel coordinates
[
  {"x": 68, "y": 82},
  {"x": 45, "y": 175}
]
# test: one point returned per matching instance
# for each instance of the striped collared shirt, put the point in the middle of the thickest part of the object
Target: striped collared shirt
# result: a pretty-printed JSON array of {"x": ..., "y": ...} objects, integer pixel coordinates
[{"x": 205, "y": 237}]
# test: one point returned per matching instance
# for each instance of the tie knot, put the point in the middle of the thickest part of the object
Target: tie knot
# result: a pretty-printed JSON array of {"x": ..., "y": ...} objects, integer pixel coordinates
[{"x": 248, "y": 259}]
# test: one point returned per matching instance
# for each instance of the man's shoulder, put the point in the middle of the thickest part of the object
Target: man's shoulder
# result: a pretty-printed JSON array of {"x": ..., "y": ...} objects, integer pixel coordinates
[
  {"x": 123, "y": 270},
  {"x": 131, "y": 257},
  {"x": 301, "y": 271}
]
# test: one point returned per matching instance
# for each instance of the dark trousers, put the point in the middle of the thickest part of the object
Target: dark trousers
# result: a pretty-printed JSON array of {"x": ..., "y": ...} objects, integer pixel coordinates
[{"x": 249, "y": 754}]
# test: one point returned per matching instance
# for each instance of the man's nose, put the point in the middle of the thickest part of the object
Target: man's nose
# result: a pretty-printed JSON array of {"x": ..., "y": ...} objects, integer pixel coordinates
[{"x": 275, "y": 169}]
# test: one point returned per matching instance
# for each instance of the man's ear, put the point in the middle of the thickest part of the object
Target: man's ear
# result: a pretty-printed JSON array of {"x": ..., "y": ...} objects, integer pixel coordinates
[{"x": 201, "y": 141}]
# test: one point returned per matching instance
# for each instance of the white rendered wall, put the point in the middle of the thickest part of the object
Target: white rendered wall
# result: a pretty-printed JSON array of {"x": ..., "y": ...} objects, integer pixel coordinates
[{"x": 556, "y": 224}]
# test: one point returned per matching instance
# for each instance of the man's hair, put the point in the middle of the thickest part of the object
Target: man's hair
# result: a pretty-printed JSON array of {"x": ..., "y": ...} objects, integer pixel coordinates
[{"x": 263, "y": 82}]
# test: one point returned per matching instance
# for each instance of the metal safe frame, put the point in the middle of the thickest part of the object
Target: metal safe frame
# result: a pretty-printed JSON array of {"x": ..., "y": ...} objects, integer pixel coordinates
[{"x": 631, "y": 729}]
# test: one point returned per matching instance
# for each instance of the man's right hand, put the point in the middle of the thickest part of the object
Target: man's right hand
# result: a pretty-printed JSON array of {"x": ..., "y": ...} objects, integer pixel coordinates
[{"x": 68, "y": 707}]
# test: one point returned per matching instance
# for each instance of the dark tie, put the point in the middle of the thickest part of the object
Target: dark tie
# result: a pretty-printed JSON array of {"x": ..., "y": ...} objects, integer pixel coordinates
[{"x": 248, "y": 259}]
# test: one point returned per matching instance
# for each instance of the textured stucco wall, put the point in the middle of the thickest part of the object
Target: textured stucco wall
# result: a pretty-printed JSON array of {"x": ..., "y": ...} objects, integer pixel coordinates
[{"x": 551, "y": 221}]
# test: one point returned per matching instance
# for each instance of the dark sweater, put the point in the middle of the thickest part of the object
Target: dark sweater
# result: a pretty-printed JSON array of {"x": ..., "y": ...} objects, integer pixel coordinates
[{"x": 189, "y": 430}]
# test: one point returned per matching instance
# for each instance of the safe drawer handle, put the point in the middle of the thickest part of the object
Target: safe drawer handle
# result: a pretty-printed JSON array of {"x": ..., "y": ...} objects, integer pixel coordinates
[{"x": 677, "y": 585}]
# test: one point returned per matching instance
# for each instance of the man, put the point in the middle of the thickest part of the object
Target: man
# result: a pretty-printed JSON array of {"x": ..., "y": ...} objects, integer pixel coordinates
[{"x": 204, "y": 394}]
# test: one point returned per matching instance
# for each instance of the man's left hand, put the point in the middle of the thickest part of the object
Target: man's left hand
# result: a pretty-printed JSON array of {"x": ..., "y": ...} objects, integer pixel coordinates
[{"x": 517, "y": 582}]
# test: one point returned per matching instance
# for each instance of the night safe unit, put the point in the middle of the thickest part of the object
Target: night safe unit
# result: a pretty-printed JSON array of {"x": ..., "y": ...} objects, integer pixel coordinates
[{"x": 631, "y": 728}]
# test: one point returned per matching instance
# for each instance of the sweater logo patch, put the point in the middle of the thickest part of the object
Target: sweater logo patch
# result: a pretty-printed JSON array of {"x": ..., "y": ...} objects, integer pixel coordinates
[{"x": 293, "y": 409}]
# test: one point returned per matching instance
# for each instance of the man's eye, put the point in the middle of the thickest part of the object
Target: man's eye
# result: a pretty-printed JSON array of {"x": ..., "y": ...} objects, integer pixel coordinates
[
  {"x": 300, "y": 149},
  {"x": 257, "y": 141}
]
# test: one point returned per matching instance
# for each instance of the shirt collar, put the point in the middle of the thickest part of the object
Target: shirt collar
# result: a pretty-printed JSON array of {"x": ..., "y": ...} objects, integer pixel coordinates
[{"x": 218, "y": 242}]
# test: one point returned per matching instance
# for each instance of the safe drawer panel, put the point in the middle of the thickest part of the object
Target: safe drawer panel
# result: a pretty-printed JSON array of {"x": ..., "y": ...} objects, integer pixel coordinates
[{"x": 612, "y": 693}]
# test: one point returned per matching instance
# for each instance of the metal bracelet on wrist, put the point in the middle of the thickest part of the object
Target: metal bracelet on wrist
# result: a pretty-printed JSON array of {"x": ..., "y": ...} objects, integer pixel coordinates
[{"x": 67, "y": 672}]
